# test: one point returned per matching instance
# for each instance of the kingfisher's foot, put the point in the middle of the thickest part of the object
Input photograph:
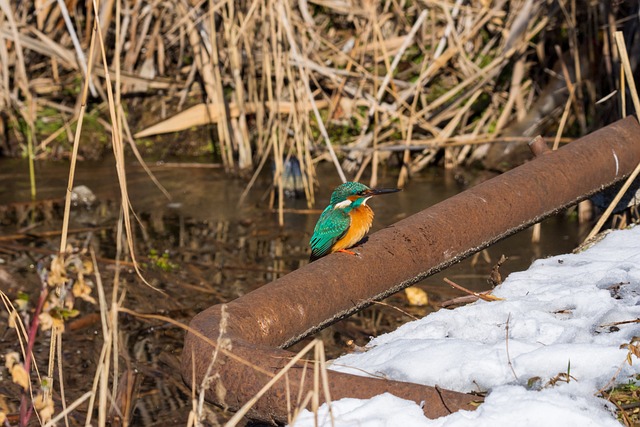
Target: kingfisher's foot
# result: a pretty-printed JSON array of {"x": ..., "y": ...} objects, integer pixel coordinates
[{"x": 347, "y": 252}]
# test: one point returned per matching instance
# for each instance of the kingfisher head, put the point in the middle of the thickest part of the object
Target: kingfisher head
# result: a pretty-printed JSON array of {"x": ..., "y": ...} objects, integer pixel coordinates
[{"x": 355, "y": 193}]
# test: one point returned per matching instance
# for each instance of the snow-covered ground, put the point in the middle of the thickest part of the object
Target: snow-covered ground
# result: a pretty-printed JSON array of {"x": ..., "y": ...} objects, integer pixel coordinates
[{"x": 561, "y": 318}]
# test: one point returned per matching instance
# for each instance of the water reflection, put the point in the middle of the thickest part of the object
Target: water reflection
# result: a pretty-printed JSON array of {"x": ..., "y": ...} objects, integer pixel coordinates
[{"x": 206, "y": 194}]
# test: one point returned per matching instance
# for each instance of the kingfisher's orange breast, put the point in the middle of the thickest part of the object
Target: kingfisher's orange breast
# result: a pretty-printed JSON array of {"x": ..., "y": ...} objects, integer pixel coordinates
[{"x": 361, "y": 220}]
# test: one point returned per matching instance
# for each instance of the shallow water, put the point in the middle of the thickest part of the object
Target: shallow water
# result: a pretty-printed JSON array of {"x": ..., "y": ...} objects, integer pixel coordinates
[{"x": 215, "y": 252}]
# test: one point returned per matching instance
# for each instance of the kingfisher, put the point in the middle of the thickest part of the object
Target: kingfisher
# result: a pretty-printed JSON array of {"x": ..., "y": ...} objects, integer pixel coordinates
[{"x": 346, "y": 220}]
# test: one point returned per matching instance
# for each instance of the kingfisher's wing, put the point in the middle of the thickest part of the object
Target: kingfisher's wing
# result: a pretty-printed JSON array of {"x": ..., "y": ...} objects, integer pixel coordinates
[{"x": 332, "y": 225}]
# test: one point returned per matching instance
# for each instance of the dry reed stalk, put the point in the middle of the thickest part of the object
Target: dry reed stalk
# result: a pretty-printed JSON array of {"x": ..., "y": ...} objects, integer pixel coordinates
[
  {"x": 136, "y": 152},
  {"x": 224, "y": 128},
  {"x": 623, "y": 92},
  {"x": 514, "y": 92},
  {"x": 23, "y": 337},
  {"x": 111, "y": 340},
  {"x": 299, "y": 147},
  {"x": 570, "y": 100},
  {"x": 237, "y": 417},
  {"x": 563, "y": 119},
  {"x": 58, "y": 357},
  {"x": 118, "y": 151},
  {"x": 76, "y": 45},
  {"x": 468, "y": 139},
  {"x": 99, "y": 378},
  {"x": 74, "y": 155},
  {"x": 117, "y": 118},
  {"x": 234, "y": 53},
  {"x": 221, "y": 344},
  {"x": 207, "y": 71},
  {"x": 403, "y": 176},
  {"x": 45, "y": 46},
  {"x": 305, "y": 80},
  {"x": 5, "y": 99},
  {"x": 626, "y": 64},
  {"x": 64, "y": 414},
  {"x": 570, "y": 19},
  {"x": 624, "y": 59}
]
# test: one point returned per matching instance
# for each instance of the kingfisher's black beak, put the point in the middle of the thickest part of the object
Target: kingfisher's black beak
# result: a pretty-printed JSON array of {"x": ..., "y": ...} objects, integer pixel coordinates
[{"x": 378, "y": 191}]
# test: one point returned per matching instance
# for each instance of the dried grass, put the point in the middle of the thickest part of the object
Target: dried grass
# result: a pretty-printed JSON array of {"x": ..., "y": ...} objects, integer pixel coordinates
[{"x": 301, "y": 79}]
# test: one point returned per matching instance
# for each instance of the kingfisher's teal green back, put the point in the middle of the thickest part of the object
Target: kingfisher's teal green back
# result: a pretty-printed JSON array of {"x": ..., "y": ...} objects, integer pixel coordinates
[{"x": 346, "y": 220}]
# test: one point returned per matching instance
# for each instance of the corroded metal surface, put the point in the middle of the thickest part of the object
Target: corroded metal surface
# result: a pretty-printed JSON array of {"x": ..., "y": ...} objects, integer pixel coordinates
[
  {"x": 242, "y": 381},
  {"x": 304, "y": 301}
]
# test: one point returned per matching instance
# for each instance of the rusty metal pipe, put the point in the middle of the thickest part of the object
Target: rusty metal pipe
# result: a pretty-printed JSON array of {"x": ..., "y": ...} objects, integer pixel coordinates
[{"x": 305, "y": 301}]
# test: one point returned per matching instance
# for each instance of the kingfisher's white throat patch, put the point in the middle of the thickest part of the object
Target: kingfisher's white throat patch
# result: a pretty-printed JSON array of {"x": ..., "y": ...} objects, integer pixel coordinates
[{"x": 343, "y": 204}]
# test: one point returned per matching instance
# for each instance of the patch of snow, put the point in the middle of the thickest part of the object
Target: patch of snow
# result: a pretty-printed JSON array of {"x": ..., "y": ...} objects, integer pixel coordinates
[{"x": 558, "y": 315}]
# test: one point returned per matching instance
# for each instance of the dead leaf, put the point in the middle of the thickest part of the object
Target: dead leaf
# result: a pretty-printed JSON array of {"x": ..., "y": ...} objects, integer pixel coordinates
[
  {"x": 416, "y": 296},
  {"x": 11, "y": 358},
  {"x": 13, "y": 316},
  {"x": 19, "y": 375},
  {"x": 87, "y": 267},
  {"x": 44, "y": 406},
  {"x": 221, "y": 392},
  {"x": 46, "y": 321},
  {"x": 82, "y": 290},
  {"x": 495, "y": 278},
  {"x": 20, "y": 304},
  {"x": 58, "y": 273}
]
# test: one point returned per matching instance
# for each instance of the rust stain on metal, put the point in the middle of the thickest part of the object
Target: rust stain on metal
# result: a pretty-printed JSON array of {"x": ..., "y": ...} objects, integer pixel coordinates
[{"x": 307, "y": 300}]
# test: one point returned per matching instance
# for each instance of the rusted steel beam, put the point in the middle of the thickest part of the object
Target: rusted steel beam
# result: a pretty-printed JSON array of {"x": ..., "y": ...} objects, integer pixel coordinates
[{"x": 304, "y": 301}]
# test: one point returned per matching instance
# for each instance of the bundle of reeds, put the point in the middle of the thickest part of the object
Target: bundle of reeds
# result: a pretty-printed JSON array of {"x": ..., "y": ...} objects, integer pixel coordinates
[{"x": 420, "y": 82}]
